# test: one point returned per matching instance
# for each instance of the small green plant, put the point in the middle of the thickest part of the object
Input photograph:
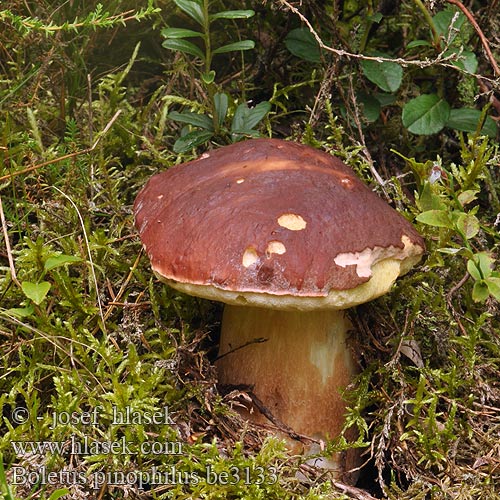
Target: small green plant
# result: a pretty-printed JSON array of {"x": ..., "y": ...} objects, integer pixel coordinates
[
  {"x": 431, "y": 428},
  {"x": 481, "y": 267},
  {"x": 7, "y": 493},
  {"x": 5, "y": 489},
  {"x": 448, "y": 200},
  {"x": 211, "y": 124},
  {"x": 429, "y": 112},
  {"x": 96, "y": 19},
  {"x": 36, "y": 291}
]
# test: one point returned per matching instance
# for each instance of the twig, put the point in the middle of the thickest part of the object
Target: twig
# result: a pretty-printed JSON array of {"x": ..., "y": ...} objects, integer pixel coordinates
[
  {"x": 89, "y": 253},
  {"x": 277, "y": 424},
  {"x": 449, "y": 297},
  {"x": 7, "y": 246},
  {"x": 146, "y": 304},
  {"x": 59, "y": 342},
  {"x": 64, "y": 157},
  {"x": 275, "y": 420},
  {"x": 345, "y": 53},
  {"x": 480, "y": 33},
  {"x": 259, "y": 340},
  {"x": 117, "y": 297},
  {"x": 366, "y": 152},
  {"x": 91, "y": 132},
  {"x": 421, "y": 63},
  {"x": 353, "y": 492},
  {"x": 322, "y": 95},
  {"x": 457, "y": 287}
]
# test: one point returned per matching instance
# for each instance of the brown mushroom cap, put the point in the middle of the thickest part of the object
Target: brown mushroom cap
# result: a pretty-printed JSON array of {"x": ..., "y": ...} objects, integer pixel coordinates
[{"x": 273, "y": 222}]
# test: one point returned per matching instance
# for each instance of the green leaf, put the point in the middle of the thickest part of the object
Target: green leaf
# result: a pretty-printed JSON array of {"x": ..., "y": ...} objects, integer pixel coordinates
[
  {"x": 426, "y": 114},
  {"x": 192, "y": 8},
  {"x": 195, "y": 119},
  {"x": 232, "y": 47},
  {"x": 386, "y": 75},
  {"x": 490, "y": 127},
  {"x": 376, "y": 18},
  {"x": 480, "y": 291},
  {"x": 436, "y": 218},
  {"x": 385, "y": 99},
  {"x": 442, "y": 22},
  {"x": 468, "y": 196},
  {"x": 485, "y": 263},
  {"x": 19, "y": 312},
  {"x": 428, "y": 200},
  {"x": 493, "y": 285},
  {"x": 468, "y": 225},
  {"x": 35, "y": 291},
  {"x": 467, "y": 120},
  {"x": 301, "y": 43},
  {"x": 191, "y": 140},
  {"x": 58, "y": 494},
  {"x": 473, "y": 270},
  {"x": 60, "y": 260},
  {"x": 256, "y": 114},
  {"x": 370, "y": 106},
  {"x": 480, "y": 266},
  {"x": 450, "y": 251},
  {"x": 180, "y": 33},
  {"x": 232, "y": 14},
  {"x": 221, "y": 101},
  {"x": 465, "y": 59},
  {"x": 245, "y": 118},
  {"x": 183, "y": 46},
  {"x": 417, "y": 43},
  {"x": 208, "y": 78}
]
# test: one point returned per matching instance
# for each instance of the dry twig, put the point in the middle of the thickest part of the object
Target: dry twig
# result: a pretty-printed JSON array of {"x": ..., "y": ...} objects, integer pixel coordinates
[
  {"x": 480, "y": 33},
  {"x": 421, "y": 63},
  {"x": 7, "y": 246}
]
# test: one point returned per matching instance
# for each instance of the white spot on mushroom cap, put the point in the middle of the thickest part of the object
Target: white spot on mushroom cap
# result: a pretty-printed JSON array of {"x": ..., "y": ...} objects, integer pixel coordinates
[
  {"x": 275, "y": 247},
  {"x": 293, "y": 222},
  {"x": 240, "y": 181},
  {"x": 204, "y": 155},
  {"x": 347, "y": 182},
  {"x": 365, "y": 259},
  {"x": 250, "y": 257},
  {"x": 362, "y": 260}
]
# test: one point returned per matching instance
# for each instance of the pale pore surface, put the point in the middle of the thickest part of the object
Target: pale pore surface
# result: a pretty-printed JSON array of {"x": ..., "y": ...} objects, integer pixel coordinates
[{"x": 384, "y": 274}]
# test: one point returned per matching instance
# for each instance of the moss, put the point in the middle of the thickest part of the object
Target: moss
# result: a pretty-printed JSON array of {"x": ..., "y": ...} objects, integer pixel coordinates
[{"x": 87, "y": 334}]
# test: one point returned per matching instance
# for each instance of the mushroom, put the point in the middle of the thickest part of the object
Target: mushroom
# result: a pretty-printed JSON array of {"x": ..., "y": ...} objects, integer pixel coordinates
[{"x": 288, "y": 238}]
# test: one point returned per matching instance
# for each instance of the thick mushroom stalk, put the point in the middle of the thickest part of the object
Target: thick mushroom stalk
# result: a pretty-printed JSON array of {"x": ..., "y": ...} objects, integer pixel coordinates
[
  {"x": 297, "y": 363},
  {"x": 288, "y": 237}
]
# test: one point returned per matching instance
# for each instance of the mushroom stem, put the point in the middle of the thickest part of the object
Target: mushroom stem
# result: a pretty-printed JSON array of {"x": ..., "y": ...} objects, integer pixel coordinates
[{"x": 298, "y": 371}]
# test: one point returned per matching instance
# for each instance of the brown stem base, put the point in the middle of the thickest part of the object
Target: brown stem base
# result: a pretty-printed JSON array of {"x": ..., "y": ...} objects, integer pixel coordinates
[{"x": 298, "y": 371}]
